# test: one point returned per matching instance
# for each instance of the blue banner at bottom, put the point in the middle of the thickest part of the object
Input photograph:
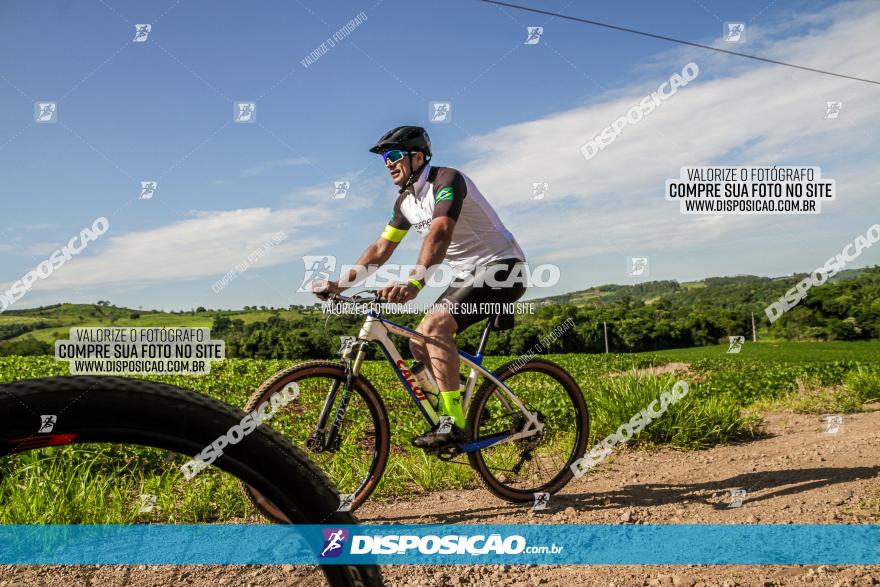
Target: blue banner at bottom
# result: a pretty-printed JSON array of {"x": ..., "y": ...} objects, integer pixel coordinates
[{"x": 725, "y": 544}]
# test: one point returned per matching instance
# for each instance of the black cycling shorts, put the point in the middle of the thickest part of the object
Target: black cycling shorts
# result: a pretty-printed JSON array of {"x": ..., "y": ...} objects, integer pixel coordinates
[{"x": 499, "y": 282}]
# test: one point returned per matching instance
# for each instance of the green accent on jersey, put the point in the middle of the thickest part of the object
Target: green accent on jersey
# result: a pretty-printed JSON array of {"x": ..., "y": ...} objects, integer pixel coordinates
[
  {"x": 444, "y": 194},
  {"x": 392, "y": 234}
]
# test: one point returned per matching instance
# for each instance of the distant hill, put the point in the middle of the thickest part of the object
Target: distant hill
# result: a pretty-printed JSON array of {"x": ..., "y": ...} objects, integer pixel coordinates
[
  {"x": 724, "y": 292},
  {"x": 654, "y": 315},
  {"x": 49, "y": 323}
]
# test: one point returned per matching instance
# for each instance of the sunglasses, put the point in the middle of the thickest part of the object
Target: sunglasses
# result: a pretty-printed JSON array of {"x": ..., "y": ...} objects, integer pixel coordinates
[{"x": 394, "y": 155}]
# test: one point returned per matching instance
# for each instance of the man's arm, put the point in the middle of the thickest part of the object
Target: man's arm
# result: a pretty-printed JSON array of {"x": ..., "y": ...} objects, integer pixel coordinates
[
  {"x": 450, "y": 190},
  {"x": 375, "y": 255},
  {"x": 434, "y": 248}
]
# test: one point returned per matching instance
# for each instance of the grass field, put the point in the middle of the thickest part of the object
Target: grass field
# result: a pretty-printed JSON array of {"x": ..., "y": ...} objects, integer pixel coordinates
[
  {"x": 100, "y": 484},
  {"x": 786, "y": 351}
]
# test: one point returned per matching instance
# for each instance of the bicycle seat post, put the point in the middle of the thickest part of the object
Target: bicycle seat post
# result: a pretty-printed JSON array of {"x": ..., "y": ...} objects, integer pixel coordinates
[{"x": 484, "y": 340}]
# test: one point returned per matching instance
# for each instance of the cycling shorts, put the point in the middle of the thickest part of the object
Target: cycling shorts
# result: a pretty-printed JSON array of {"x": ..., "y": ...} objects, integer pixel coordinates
[{"x": 477, "y": 295}]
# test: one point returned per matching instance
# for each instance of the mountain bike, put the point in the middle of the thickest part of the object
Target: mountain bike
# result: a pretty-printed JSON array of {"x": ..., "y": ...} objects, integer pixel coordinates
[
  {"x": 525, "y": 424},
  {"x": 120, "y": 410}
]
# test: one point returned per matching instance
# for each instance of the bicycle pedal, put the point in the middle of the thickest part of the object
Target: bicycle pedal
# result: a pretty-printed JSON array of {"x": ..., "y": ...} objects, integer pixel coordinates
[
  {"x": 443, "y": 451},
  {"x": 447, "y": 453}
]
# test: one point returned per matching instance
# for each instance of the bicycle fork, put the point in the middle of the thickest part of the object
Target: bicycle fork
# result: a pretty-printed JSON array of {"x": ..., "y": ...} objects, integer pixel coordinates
[{"x": 327, "y": 438}]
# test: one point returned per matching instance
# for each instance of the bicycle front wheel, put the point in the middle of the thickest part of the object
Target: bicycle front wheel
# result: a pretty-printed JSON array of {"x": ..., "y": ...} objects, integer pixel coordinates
[
  {"x": 355, "y": 461},
  {"x": 517, "y": 470},
  {"x": 117, "y": 410}
]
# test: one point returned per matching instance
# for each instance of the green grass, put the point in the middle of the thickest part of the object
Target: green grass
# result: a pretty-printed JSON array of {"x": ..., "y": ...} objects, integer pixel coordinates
[
  {"x": 812, "y": 396},
  {"x": 92, "y": 484},
  {"x": 692, "y": 422},
  {"x": 786, "y": 352}
]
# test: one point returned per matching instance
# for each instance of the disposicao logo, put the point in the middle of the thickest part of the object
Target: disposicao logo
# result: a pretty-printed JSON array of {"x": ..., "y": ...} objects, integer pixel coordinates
[{"x": 334, "y": 538}]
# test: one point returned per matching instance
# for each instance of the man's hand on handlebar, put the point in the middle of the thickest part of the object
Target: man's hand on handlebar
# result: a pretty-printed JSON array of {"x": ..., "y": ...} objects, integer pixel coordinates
[
  {"x": 323, "y": 288},
  {"x": 399, "y": 293}
]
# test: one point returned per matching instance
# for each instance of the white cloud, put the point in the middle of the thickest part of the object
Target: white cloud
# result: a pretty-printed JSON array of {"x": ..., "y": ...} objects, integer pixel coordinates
[
  {"x": 207, "y": 245},
  {"x": 363, "y": 192},
  {"x": 731, "y": 114}
]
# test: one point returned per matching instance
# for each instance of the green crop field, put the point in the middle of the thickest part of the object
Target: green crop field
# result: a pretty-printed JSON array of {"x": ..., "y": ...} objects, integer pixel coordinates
[{"x": 728, "y": 392}]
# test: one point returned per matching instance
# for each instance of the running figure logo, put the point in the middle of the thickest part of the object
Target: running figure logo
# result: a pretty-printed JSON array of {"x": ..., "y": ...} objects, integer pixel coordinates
[
  {"x": 637, "y": 267},
  {"x": 345, "y": 501},
  {"x": 345, "y": 343},
  {"x": 534, "y": 34},
  {"x": 45, "y": 112},
  {"x": 333, "y": 540},
  {"x": 737, "y": 494},
  {"x": 833, "y": 424},
  {"x": 736, "y": 343},
  {"x": 539, "y": 189},
  {"x": 542, "y": 500},
  {"x": 734, "y": 31},
  {"x": 832, "y": 109},
  {"x": 245, "y": 112},
  {"x": 318, "y": 267},
  {"x": 148, "y": 502},
  {"x": 148, "y": 189},
  {"x": 141, "y": 32},
  {"x": 445, "y": 424},
  {"x": 341, "y": 189},
  {"x": 47, "y": 423},
  {"x": 440, "y": 112}
]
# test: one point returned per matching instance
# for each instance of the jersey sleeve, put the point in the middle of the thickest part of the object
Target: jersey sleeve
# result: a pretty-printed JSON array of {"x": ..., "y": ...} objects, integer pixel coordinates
[
  {"x": 450, "y": 190},
  {"x": 398, "y": 225}
]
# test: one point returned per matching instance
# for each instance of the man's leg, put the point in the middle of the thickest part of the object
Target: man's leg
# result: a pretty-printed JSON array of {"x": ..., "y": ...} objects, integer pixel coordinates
[
  {"x": 440, "y": 352},
  {"x": 438, "y": 349}
]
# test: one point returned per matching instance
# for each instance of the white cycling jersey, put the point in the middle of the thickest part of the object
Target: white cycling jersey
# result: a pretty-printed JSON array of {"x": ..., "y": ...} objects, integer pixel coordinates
[{"x": 479, "y": 237}]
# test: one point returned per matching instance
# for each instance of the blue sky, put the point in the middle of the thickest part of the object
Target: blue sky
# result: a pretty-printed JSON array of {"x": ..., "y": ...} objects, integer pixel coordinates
[{"x": 162, "y": 110}]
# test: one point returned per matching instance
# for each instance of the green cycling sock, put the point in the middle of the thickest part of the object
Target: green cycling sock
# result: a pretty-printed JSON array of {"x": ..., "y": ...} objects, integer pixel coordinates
[{"x": 450, "y": 405}]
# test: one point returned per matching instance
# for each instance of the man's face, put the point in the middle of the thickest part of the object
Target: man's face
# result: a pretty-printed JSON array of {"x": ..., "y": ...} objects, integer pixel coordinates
[{"x": 400, "y": 171}]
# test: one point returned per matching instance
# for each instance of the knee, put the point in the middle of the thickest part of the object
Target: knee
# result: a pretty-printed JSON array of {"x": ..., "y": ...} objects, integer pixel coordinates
[{"x": 439, "y": 325}]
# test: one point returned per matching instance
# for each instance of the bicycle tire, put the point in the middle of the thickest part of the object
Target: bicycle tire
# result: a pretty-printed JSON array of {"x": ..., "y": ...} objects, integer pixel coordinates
[
  {"x": 486, "y": 390},
  {"x": 371, "y": 397},
  {"x": 122, "y": 410}
]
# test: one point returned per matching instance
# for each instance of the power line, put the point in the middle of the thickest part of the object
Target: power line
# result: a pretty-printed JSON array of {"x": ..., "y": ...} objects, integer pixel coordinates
[{"x": 673, "y": 40}]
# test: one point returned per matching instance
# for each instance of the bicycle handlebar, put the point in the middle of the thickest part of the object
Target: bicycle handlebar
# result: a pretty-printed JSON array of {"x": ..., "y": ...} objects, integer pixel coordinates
[{"x": 365, "y": 297}]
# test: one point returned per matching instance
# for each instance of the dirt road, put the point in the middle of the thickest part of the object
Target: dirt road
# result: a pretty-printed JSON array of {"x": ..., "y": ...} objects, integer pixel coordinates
[{"x": 798, "y": 473}]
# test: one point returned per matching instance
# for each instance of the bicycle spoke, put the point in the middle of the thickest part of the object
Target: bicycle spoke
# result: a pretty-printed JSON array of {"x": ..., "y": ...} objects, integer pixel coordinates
[
  {"x": 348, "y": 461},
  {"x": 531, "y": 463}
]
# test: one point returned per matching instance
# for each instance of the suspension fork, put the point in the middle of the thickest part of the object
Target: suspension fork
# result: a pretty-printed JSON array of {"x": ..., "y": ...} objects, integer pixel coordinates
[{"x": 331, "y": 435}]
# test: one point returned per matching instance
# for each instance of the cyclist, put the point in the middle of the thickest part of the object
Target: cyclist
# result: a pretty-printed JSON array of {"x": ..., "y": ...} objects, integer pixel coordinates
[{"x": 458, "y": 226}]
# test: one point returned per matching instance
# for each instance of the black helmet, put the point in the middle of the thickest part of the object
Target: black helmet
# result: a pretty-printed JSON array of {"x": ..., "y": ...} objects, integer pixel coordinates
[{"x": 408, "y": 138}]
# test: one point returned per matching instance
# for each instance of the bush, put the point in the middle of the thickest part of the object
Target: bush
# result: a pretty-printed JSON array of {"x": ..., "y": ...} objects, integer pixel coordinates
[
  {"x": 693, "y": 422},
  {"x": 864, "y": 384}
]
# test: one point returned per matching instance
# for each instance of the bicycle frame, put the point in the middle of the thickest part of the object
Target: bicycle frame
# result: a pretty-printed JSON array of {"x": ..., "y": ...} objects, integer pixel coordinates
[{"x": 376, "y": 329}]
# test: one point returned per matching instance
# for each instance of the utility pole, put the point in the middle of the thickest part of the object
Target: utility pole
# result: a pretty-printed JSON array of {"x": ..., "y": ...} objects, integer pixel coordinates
[
  {"x": 754, "y": 332},
  {"x": 605, "y": 324}
]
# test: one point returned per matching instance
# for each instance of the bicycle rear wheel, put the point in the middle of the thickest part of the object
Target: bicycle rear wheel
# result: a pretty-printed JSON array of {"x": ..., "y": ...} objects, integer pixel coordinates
[
  {"x": 516, "y": 470},
  {"x": 120, "y": 410}
]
